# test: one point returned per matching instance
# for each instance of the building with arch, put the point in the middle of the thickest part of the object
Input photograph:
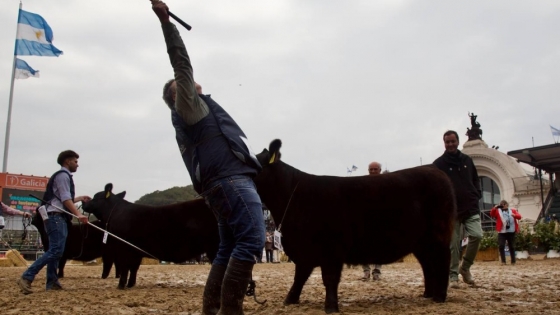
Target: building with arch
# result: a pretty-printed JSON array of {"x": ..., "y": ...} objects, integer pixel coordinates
[{"x": 503, "y": 177}]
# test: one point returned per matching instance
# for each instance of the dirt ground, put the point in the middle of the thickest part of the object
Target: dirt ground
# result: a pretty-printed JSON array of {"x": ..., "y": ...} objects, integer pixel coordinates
[{"x": 530, "y": 287}]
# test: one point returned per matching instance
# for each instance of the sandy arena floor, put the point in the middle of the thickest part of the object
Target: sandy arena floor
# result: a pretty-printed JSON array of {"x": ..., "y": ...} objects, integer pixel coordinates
[{"x": 530, "y": 287}]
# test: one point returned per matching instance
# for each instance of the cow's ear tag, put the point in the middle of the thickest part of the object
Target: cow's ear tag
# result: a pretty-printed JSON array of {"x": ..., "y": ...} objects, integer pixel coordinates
[
  {"x": 107, "y": 194},
  {"x": 272, "y": 158}
]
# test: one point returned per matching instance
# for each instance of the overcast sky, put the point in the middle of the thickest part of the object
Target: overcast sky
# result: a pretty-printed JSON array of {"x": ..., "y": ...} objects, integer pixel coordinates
[{"x": 341, "y": 83}]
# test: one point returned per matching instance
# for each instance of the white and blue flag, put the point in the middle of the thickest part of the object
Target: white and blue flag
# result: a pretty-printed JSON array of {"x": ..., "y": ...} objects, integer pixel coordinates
[
  {"x": 34, "y": 36},
  {"x": 555, "y": 131},
  {"x": 24, "y": 71}
]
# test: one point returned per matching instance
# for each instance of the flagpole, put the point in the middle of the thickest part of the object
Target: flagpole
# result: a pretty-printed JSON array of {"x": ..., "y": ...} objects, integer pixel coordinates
[{"x": 9, "y": 119}]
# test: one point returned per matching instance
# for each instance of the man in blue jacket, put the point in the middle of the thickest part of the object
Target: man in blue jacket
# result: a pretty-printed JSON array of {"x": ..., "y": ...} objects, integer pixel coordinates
[
  {"x": 221, "y": 166},
  {"x": 462, "y": 172}
]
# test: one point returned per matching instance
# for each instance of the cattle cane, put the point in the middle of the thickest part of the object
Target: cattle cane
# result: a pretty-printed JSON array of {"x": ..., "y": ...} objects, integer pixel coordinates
[
  {"x": 89, "y": 223},
  {"x": 176, "y": 18}
]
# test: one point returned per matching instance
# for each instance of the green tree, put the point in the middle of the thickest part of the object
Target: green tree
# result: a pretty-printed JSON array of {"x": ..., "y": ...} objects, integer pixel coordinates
[{"x": 168, "y": 196}]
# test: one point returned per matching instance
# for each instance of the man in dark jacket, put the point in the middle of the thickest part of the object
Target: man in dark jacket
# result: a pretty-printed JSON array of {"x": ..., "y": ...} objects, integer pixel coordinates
[
  {"x": 221, "y": 166},
  {"x": 462, "y": 172}
]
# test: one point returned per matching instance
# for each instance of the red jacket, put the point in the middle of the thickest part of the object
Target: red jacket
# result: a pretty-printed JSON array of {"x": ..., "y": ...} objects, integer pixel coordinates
[{"x": 499, "y": 224}]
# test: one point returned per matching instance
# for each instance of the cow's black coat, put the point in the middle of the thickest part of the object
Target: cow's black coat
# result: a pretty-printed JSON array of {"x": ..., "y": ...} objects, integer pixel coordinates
[
  {"x": 359, "y": 220},
  {"x": 84, "y": 243},
  {"x": 173, "y": 233}
]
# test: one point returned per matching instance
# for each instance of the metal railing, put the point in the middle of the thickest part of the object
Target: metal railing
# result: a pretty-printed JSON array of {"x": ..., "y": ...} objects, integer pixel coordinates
[{"x": 547, "y": 203}]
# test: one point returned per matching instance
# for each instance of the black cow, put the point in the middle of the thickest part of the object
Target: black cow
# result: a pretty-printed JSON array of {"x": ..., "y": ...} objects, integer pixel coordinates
[
  {"x": 174, "y": 233},
  {"x": 84, "y": 243},
  {"x": 327, "y": 221}
]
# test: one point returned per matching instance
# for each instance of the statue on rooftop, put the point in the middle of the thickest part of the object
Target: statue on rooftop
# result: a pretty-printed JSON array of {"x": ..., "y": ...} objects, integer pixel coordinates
[{"x": 474, "y": 133}]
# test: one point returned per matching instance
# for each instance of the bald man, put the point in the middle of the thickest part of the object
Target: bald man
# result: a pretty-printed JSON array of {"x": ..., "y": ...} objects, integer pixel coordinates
[{"x": 374, "y": 168}]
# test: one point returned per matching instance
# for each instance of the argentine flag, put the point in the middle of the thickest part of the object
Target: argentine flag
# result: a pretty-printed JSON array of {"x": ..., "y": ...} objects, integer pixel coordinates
[
  {"x": 34, "y": 36},
  {"x": 555, "y": 131},
  {"x": 24, "y": 71}
]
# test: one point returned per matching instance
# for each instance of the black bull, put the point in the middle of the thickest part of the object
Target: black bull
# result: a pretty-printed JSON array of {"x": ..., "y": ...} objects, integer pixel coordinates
[
  {"x": 174, "y": 233},
  {"x": 327, "y": 221}
]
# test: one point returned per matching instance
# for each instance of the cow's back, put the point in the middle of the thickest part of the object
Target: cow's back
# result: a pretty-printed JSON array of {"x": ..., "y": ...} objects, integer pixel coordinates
[
  {"x": 172, "y": 233},
  {"x": 367, "y": 218}
]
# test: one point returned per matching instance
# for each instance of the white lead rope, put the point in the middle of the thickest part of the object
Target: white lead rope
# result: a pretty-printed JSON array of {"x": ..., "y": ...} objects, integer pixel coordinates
[{"x": 89, "y": 223}]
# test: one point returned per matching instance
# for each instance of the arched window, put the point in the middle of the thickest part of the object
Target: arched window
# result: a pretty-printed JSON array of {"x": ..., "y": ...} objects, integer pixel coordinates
[
  {"x": 490, "y": 193},
  {"x": 490, "y": 196}
]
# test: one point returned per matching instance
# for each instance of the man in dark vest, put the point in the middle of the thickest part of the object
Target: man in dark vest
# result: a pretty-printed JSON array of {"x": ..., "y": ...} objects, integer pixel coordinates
[
  {"x": 59, "y": 195},
  {"x": 221, "y": 166}
]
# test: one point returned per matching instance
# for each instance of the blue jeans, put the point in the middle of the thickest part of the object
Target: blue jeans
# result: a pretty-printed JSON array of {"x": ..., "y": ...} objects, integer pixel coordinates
[
  {"x": 57, "y": 230},
  {"x": 238, "y": 209}
]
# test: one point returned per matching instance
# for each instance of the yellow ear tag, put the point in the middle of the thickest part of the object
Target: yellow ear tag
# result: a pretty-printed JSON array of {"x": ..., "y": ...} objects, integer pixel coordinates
[
  {"x": 107, "y": 195},
  {"x": 272, "y": 158}
]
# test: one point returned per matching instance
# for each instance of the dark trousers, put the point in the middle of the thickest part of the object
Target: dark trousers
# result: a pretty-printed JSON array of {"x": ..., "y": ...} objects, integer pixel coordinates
[
  {"x": 510, "y": 238},
  {"x": 269, "y": 256}
]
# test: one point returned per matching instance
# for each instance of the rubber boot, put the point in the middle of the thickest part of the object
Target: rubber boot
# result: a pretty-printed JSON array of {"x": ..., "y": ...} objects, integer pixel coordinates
[
  {"x": 234, "y": 287},
  {"x": 213, "y": 290}
]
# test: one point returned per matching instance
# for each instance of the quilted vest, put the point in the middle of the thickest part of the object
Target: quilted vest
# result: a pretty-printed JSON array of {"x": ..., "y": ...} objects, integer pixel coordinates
[{"x": 213, "y": 148}]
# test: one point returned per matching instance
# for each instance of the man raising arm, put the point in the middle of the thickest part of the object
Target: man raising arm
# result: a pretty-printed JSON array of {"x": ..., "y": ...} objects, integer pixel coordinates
[{"x": 221, "y": 167}]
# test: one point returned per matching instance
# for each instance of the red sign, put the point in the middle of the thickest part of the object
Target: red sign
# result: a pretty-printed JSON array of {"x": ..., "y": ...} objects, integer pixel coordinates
[{"x": 26, "y": 182}]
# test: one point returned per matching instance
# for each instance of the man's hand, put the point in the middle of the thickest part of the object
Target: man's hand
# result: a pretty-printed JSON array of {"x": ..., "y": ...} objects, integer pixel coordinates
[
  {"x": 26, "y": 214},
  {"x": 82, "y": 199},
  {"x": 161, "y": 10},
  {"x": 83, "y": 218}
]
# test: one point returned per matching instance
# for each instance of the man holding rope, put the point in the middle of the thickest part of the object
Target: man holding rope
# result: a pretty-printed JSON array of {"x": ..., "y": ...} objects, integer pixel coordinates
[
  {"x": 222, "y": 168},
  {"x": 59, "y": 194}
]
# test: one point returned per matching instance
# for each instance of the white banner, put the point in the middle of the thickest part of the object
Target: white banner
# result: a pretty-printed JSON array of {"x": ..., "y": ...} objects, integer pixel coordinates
[{"x": 278, "y": 240}]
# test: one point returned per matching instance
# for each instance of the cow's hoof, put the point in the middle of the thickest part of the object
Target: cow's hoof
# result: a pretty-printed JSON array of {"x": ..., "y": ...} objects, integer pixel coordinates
[
  {"x": 439, "y": 299},
  {"x": 120, "y": 288},
  {"x": 428, "y": 295},
  {"x": 289, "y": 301},
  {"x": 331, "y": 309}
]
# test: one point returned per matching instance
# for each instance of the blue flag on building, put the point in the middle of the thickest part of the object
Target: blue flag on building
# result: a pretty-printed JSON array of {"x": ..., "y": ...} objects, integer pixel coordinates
[
  {"x": 34, "y": 36},
  {"x": 24, "y": 71},
  {"x": 555, "y": 131}
]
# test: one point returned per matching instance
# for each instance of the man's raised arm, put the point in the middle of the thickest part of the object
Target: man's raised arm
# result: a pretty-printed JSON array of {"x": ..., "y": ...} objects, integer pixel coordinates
[{"x": 187, "y": 102}]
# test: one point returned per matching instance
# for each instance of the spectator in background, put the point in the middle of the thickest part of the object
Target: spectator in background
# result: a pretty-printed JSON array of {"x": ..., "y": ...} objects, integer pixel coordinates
[
  {"x": 268, "y": 246},
  {"x": 8, "y": 210},
  {"x": 374, "y": 168},
  {"x": 507, "y": 226}
]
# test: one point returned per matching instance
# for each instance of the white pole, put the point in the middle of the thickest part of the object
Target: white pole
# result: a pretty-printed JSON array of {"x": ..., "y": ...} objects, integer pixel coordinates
[{"x": 9, "y": 119}]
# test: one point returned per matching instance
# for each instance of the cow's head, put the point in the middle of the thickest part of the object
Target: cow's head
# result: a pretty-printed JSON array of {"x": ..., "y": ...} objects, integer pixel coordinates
[
  {"x": 272, "y": 155},
  {"x": 103, "y": 202},
  {"x": 274, "y": 176}
]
